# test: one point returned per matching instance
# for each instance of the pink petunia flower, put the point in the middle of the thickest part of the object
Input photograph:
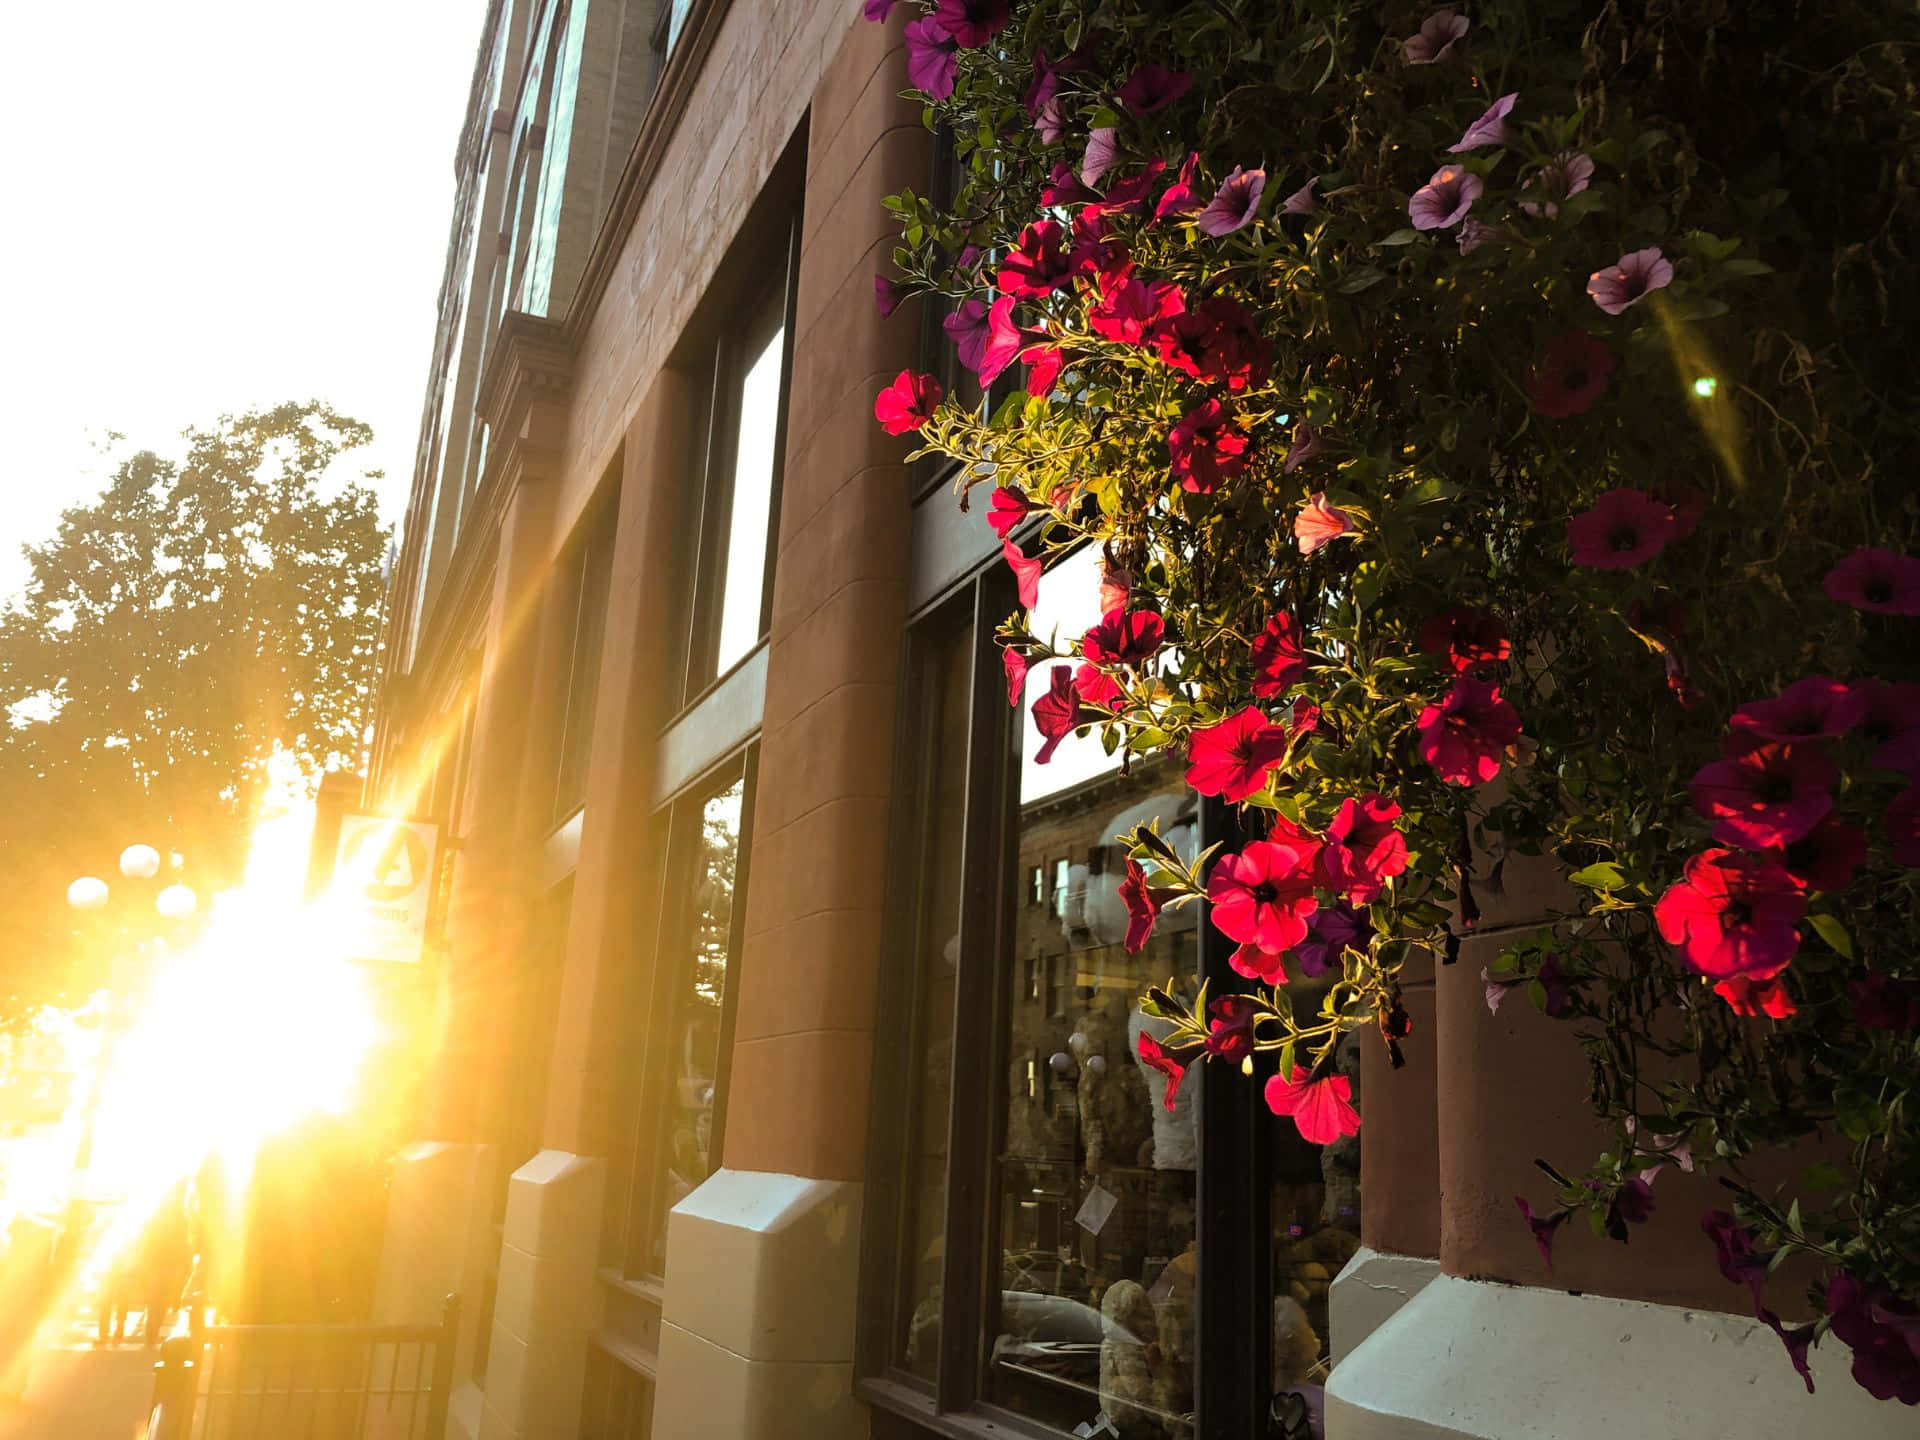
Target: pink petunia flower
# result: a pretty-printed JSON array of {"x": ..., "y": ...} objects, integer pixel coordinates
[
  {"x": 1006, "y": 508},
  {"x": 1231, "y": 759},
  {"x": 1301, "y": 201},
  {"x": 1063, "y": 185},
  {"x": 1732, "y": 915},
  {"x": 1277, "y": 658},
  {"x": 1208, "y": 447},
  {"x": 907, "y": 403},
  {"x": 1364, "y": 849},
  {"x": 1254, "y": 963},
  {"x": 1098, "y": 689},
  {"x": 1542, "y": 1227},
  {"x": 1489, "y": 129},
  {"x": 1128, "y": 312},
  {"x": 1304, "y": 445},
  {"x": 1569, "y": 376},
  {"x": 1467, "y": 637},
  {"x": 1465, "y": 734},
  {"x": 1044, "y": 364},
  {"x": 1230, "y": 1027},
  {"x": 1318, "y": 523},
  {"x": 1322, "y": 1109},
  {"x": 1153, "y": 87},
  {"x": 878, "y": 9},
  {"x": 1445, "y": 199},
  {"x": 1003, "y": 341},
  {"x": 1050, "y": 122},
  {"x": 1153, "y": 1053},
  {"x": 1037, "y": 265},
  {"x": 1115, "y": 586},
  {"x": 972, "y": 22},
  {"x": 1143, "y": 906},
  {"x": 1262, "y": 896},
  {"x": 1235, "y": 203},
  {"x": 1817, "y": 707},
  {"x": 1876, "y": 579},
  {"x": 1103, "y": 148},
  {"x": 1026, "y": 573},
  {"x": 1630, "y": 279},
  {"x": 1437, "y": 33},
  {"x": 1473, "y": 234},
  {"x": 933, "y": 61},
  {"x": 1056, "y": 714},
  {"x": 887, "y": 295},
  {"x": 1016, "y": 665},
  {"x": 1124, "y": 638},
  {"x": 1178, "y": 198},
  {"x": 1763, "y": 793},
  {"x": 1625, "y": 528},
  {"x": 1561, "y": 178}
]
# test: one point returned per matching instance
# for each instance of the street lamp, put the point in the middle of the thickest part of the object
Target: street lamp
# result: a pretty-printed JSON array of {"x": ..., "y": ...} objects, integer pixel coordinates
[
  {"x": 139, "y": 862},
  {"x": 87, "y": 894}
]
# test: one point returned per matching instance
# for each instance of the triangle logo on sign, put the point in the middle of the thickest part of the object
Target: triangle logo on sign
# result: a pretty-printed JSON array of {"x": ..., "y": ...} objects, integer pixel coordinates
[{"x": 399, "y": 867}]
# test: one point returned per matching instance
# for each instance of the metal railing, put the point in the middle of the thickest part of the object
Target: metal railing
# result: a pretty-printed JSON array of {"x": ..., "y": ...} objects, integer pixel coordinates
[{"x": 305, "y": 1382}]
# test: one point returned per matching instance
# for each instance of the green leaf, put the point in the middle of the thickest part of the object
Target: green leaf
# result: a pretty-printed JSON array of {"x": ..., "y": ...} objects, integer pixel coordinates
[
  {"x": 1829, "y": 929},
  {"x": 1605, "y": 875},
  {"x": 1363, "y": 277},
  {"x": 1860, "y": 1115},
  {"x": 1399, "y": 237},
  {"x": 1741, "y": 269}
]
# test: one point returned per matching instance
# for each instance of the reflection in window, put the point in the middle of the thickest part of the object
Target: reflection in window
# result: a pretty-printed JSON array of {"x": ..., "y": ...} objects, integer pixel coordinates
[
  {"x": 537, "y": 283},
  {"x": 751, "y": 507},
  {"x": 692, "y": 1061}
]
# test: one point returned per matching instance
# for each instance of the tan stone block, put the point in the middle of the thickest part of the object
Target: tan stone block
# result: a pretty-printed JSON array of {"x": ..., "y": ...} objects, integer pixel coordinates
[
  {"x": 839, "y": 746},
  {"x": 816, "y": 973},
  {"x": 831, "y": 858},
  {"x": 797, "y": 1104},
  {"x": 845, "y": 640}
]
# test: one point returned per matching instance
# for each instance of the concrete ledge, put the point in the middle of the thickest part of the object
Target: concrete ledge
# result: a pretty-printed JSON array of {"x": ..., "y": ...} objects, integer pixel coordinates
[
  {"x": 1369, "y": 1291},
  {"x": 707, "y": 1392},
  {"x": 1475, "y": 1360}
]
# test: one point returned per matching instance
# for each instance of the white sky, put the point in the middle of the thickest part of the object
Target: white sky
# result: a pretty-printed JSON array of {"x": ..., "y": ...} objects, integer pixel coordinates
[{"x": 213, "y": 205}]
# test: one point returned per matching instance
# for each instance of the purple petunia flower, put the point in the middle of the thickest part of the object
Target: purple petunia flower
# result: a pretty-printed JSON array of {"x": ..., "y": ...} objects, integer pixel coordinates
[
  {"x": 1630, "y": 279},
  {"x": 887, "y": 295},
  {"x": 1434, "y": 39},
  {"x": 1301, "y": 201},
  {"x": 1445, "y": 199},
  {"x": 1473, "y": 234},
  {"x": 1561, "y": 178},
  {"x": 878, "y": 9},
  {"x": 932, "y": 57},
  {"x": 1235, "y": 203},
  {"x": 1489, "y": 129},
  {"x": 1103, "y": 149}
]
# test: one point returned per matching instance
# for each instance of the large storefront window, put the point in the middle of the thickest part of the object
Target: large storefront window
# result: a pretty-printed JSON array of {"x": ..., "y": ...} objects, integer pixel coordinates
[{"x": 1058, "y": 1238}]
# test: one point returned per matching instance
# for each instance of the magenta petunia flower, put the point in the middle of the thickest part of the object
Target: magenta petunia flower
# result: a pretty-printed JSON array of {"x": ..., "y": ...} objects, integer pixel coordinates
[
  {"x": 1098, "y": 253},
  {"x": 1128, "y": 311},
  {"x": 1561, "y": 178},
  {"x": 1006, "y": 508},
  {"x": 1130, "y": 637},
  {"x": 966, "y": 326},
  {"x": 1569, "y": 376},
  {"x": 1817, "y": 707},
  {"x": 1434, "y": 39},
  {"x": 1625, "y": 528},
  {"x": 1489, "y": 129},
  {"x": 1278, "y": 660},
  {"x": 1304, "y": 445},
  {"x": 1754, "y": 998},
  {"x": 1143, "y": 906},
  {"x": 1301, "y": 201},
  {"x": 1056, "y": 714},
  {"x": 1231, "y": 759},
  {"x": 1002, "y": 343},
  {"x": 1262, "y": 896},
  {"x": 1318, "y": 523},
  {"x": 1128, "y": 194},
  {"x": 887, "y": 295},
  {"x": 1254, "y": 963},
  {"x": 1732, "y": 914},
  {"x": 1208, "y": 447},
  {"x": 1445, "y": 199},
  {"x": 1037, "y": 265},
  {"x": 878, "y": 9},
  {"x": 1892, "y": 725},
  {"x": 1016, "y": 665},
  {"x": 1321, "y": 1109},
  {"x": 1542, "y": 1227},
  {"x": 1826, "y": 856},
  {"x": 1235, "y": 203},
  {"x": 1330, "y": 932},
  {"x": 932, "y": 57},
  {"x": 907, "y": 403},
  {"x": 1364, "y": 849},
  {"x": 1178, "y": 198},
  {"x": 1882, "y": 1332},
  {"x": 1153, "y": 1053},
  {"x": 1876, "y": 579},
  {"x": 972, "y": 22},
  {"x": 1044, "y": 364},
  {"x": 1103, "y": 148},
  {"x": 1026, "y": 573},
  {"x": 1230, "y": 1027},
  {"x": 1763, "y": 793},
  {"x": 1063, "y": 187},
  {"x": 1099, "y": 689},
  {"x": 1630, "y": 279},
  {"x": 1902, "y": 824},
  {"x": 1466, "y": 733},
  {"x": 1153, "y": 87},
  {"x": 1467, "y": 637},
  {"x": 1880, "y": 1002},
  {"x": 1216, "y": 341}
]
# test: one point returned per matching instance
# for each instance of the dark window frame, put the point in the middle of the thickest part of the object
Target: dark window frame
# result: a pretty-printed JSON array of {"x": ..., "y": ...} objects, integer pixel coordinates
[{"x": 587, "y": 571}]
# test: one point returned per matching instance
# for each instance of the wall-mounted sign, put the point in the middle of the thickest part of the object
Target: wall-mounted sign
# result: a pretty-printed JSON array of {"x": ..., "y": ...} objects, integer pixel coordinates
[{"x": 383, "y": 883}]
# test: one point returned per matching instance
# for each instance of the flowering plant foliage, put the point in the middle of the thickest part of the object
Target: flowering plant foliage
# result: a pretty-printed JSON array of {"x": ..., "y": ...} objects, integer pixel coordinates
[{"x": 1497, "y": 443}]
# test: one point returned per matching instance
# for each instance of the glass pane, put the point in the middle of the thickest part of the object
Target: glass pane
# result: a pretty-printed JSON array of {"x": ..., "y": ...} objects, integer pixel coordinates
[
  {"x": 692, "y": 1041},
  {"x": 942, "y": 703},
  {"x": 593, "y": 580},
  {"x": 750, "y": 517},
  {"x": 537, "y": 285},
  {"x": 1096, "y": 1181}
]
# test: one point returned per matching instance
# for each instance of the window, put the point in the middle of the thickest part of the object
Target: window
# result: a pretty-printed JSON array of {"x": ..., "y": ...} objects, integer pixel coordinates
[
  {"x": 667, "y": 27},
  {"x": 738, "y": 500},
  {"x": 616, "y": 1400},
  {"x": 1047, "y": 1237},
  {"x": 587, "y": 578}
]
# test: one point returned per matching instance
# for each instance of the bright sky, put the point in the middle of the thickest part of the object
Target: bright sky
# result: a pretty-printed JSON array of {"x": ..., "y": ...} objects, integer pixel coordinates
[{"x": 215, "y": 205}]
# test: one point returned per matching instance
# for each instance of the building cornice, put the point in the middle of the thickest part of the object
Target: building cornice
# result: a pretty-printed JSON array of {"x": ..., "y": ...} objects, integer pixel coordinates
[{"x": 530, "y": 367}]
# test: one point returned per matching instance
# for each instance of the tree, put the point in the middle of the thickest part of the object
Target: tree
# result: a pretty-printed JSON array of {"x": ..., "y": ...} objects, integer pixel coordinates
[{"x": 201, "y": 617}]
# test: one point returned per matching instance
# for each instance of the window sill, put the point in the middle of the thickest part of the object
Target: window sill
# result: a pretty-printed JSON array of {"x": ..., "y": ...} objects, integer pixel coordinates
[
  {"x": 916, "y": 1406},
  {"x": 651, "y": 1290}
]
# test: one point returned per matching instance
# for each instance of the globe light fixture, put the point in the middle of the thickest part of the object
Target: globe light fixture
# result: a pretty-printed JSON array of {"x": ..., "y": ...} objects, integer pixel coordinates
[
  {"x": 89, "y": 892},
  {"x": 176, "y": 902},
  {"x": 139, "y": 862}
]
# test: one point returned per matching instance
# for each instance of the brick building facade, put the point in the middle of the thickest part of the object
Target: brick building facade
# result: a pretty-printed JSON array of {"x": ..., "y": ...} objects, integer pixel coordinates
[{"x": 781, "y": 1079}]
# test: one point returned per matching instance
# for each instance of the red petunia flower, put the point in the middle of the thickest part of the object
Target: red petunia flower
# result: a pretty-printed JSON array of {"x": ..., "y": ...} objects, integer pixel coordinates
[
  {"x": 1143, "y": 906},
  {"x": 1208, "y": 447},
  {"x": 1154, "y": 1054},
  {"x": 1115, "y": 586},
  {"x": 907, "y": 403},
  {"x": 986, "y": 338},
  {"x": 1232, "y": 759},
  {"x": 1216, "y": 341},
  {"x": 1006, "y": 508},
  {"x": 1468, "y": 637},
  {"x": 1127, "y": 311},
  {"x": 1098, "y": 688},
  {"x": 1322, "y": 1109},
  {"x": 1278, "y": 660},
  {"x": 1764, "y": 793},
  {"x": 1026, "y": 573},
  {"x": 1826, "y": 856},
  {"x": 1876, "y": 579},
  {"x": 1817, "y": 707},
  {"x": 1130, "y": 638},
  {"x": 1569, "y": 376},
  {"x": 1318, "y": 522},
  {"x": 1465, "y": 734},
  {"x": 1733, "y": 915},
  {"x": 1303, "y": 717},
  {"x": 1892, "y": 724},
  {"x": 1263, "y": 895},
  {"x": 1037, "y": 265},
  {"x": 1044, "y": 364},
  {"x": 1056, "y": 714},
  {"x": 1230, "y": 1027},
  {"x": 1256, "y": 964},
  {"x": 1625, "y": 528},
  {"x": 1017, "y": 665},
  {"x": 1096, "y": 253},
  {"x": 1757, "y": 997},
  {"x": 1902, "y": 824},
  {"x": 1364, "y": 848}
]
